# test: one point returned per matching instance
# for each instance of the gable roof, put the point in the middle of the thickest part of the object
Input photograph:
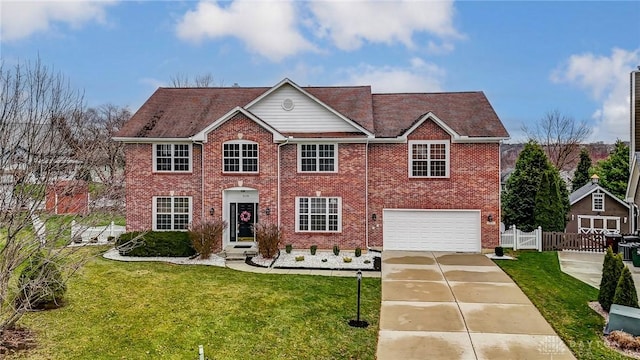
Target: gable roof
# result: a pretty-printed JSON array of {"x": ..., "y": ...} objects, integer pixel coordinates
[
  {"x": 184, "y": 112},
  {"x": 588, "y": 189}
]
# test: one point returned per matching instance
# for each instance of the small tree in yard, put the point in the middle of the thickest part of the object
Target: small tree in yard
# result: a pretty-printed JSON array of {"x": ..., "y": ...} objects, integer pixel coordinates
[
  {"x": 206, "y": 236},
  {"x": 549, "y": 209},
  {"x": 269, "y": 238},
  {"x": 611, "y": 270},
  {"x": 614, "y": 170},
  {"x": 581, "y": 177},
  {"x": 626, "y": 290}
]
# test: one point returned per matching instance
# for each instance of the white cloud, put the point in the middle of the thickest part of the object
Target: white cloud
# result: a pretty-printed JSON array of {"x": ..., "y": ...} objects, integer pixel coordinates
[
  {"x": 606, "y": 79},
  {"x": 420, "y": 76},
  {"x": 350, "y": 23},
  {"x": 268, "y": 28},
  {"x": 21, "y": 19}
]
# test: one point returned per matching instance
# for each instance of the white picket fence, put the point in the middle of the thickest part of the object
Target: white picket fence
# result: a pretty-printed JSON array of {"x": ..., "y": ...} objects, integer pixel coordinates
[
  {"x": 520, "y": 240},
  {"x": 100, "y": 234}
]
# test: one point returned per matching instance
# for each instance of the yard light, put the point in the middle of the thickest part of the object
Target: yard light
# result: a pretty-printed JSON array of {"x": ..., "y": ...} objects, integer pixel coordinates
[{"x": 357, "y": 322}]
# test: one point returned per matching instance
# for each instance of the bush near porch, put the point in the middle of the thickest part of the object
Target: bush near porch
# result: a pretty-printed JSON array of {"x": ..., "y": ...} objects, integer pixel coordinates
[{"x": 156, "y": 243}]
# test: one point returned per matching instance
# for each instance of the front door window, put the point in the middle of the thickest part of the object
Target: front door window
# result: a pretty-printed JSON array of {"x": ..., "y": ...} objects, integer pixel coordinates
[{"x": 243, "y": 219}]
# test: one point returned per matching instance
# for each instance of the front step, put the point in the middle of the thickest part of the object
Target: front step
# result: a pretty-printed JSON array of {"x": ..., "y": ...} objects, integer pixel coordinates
[{"x": 231, "y": 253}]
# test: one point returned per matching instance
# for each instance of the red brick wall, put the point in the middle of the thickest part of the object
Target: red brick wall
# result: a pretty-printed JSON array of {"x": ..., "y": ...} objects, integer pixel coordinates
[
  {"x": 142, "y": 184},
  {"x": 473, "y": 183}
]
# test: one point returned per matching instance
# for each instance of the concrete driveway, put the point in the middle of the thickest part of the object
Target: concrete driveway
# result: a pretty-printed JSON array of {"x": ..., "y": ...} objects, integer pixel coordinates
[{"x": 458, "y": 306}]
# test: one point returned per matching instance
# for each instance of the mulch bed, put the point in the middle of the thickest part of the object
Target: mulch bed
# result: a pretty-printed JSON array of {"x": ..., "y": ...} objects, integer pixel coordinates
[{"x": 16, "y": 339}]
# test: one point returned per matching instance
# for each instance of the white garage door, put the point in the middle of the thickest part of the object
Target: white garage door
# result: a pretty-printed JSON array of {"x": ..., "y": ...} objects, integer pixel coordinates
[{"x": 431, "y": 230}]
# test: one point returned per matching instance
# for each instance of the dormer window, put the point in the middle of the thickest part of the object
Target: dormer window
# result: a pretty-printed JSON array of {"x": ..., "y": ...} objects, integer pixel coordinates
[
  {"x": 240, "y": 157},
  {"x": 597, "y": 201}
]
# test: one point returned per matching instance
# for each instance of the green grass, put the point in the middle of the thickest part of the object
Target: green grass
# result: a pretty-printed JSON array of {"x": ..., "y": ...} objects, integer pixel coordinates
[
  {"x": 563, "y": 301},
  {"x": 120, "y": 310}
]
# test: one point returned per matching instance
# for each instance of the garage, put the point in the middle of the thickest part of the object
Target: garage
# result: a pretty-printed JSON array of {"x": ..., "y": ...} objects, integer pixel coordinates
[{"x": 431, "y": 230}]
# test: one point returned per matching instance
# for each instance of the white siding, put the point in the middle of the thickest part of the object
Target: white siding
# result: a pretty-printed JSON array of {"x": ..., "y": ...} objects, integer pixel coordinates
[
  {"x": 307, "y": 115},
  {"x": 431, "y": 230}
]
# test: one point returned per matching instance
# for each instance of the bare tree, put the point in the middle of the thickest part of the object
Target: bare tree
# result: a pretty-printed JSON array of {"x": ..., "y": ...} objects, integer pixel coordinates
[
  {"x": 560, "y": 136},
  {"x": 200, "y": 81},
  {"x": 40, "y": 129}
]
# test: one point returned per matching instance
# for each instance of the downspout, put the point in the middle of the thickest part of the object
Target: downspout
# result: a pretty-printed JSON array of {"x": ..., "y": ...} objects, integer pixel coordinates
[
  {"x": 366, "y": 194},
  {"x": 202, "y": 182},
  {"x": 279, "y": 165}
]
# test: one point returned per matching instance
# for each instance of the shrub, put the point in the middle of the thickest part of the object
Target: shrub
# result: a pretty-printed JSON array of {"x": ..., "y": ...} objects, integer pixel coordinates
[
  {"x": 300, "y": 258},
  {"x": 206, "y": 236},
  {"x": 155, "y": 243},
  {"x": 40, "y": 284},
  {"x": 625, "y": 341},
  {"x": 499, "y": 251},
  {"x": 611, "y": 269},
  {"x": 346, "y": 259},
  {"x": 269, "y": 238},
  {"x": 313, "y": 249},
  {"x": 288, "y": 248},
  {"x": 626, "y": 290},
  {"x": 336, "y": 250},
  {"x": 358, "y": 252}
]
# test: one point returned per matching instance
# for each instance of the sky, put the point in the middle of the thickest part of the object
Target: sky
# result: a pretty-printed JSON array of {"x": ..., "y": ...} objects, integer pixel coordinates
[{"x": 529, "y": 58}]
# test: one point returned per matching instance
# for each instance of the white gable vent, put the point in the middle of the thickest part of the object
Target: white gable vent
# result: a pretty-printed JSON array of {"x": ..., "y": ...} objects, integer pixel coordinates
[{"x": 288, "y": 104}]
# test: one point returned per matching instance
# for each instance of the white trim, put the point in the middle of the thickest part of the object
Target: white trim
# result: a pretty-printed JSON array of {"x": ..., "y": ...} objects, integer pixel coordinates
[
  {"x": 593, "y": 230},
  {"x": 601, "y": 189},
  {"x": 202, "y": 135},
  {"x": 335, "y": 158},
  {"x": 429, "y": 142},
  {"x": 597, "y": 196},
  {"x": 287, "y": 81},
  {"x": 146, "y": 140},
  {"x": 173, "y": 144},
  {"x": 435, "y": 119},
  {"x": 154, "y": 211},
  {"x": 339, "y": 210},
  {"x": 242, "y": 143}
]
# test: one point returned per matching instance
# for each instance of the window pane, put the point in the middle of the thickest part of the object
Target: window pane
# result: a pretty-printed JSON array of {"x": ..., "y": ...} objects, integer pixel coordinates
[
  {"x": 420, "y": 151},
  {"x": 318, "y": 205},
  {"x": 438, "y": 168},
  {"x": 231, "y": 164},
  {"x": 180, "y": 222},
  {"x": 438, "y": 151},
  {"x": 163, "y": 205},
  {"x": 420, "y": 168},
  {"x": 318, "y": 223},
  {"x": 163, "y": 221},
  {"x": 333, "y": 222},
  {"x": 250, "y": 165},
  {"x": 304, "y": 222},
  {"x": 309, "y": 164},
  {"x": 304, "y": 205},
  {"x": 181, "y": 205}
]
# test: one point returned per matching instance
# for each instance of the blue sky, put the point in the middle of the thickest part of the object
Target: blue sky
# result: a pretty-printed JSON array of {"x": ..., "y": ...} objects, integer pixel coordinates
[{"x": 528, "y": 57}]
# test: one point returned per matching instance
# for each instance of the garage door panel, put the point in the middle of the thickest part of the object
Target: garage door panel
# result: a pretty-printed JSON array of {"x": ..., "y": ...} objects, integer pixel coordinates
[{"x": 431, "y": 230}]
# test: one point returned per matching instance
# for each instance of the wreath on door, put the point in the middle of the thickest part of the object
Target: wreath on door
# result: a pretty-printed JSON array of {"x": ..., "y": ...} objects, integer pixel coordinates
[{"x": 245, "y": 216}]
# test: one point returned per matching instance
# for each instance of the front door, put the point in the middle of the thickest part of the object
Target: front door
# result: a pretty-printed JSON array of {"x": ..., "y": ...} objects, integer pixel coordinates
[{"x": 243, "y": 218}]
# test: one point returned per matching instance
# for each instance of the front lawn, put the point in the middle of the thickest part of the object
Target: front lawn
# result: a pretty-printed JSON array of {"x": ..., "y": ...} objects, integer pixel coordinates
[
  {"x": 137, "y": 310},
  {"x": 563, "y": 301}
]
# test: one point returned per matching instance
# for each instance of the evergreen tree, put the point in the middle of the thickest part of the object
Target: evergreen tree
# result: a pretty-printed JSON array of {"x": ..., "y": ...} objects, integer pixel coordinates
[
  {"x": 581, "y": 176},
  {"x": 520, "y": 198},
  {"x": 626, "y": 290},
  {"x": 614, "y": 170},
  {"x": 549, "y": 209},
  {"x": 611, "y": 270}
]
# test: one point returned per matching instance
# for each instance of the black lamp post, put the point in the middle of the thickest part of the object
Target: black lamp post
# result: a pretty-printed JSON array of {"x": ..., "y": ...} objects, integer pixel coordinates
[{"x": 358, "y": 323}]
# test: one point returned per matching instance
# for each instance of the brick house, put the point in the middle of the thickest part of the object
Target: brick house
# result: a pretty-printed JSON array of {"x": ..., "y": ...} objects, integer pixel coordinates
[{"x": 329, "y": 165}]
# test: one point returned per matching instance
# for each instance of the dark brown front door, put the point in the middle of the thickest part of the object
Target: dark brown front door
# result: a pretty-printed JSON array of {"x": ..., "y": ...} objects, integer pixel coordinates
[{"x": 245, "y": 219}]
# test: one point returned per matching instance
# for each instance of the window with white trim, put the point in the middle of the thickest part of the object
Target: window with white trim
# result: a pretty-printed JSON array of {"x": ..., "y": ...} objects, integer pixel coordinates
[
  {"x": 171, "y": 212},
  {"x": 317, "y": 157},
  {"x": 597, "y": 202},
  {"x": 172, "y": 157},
  {"x": 240, "y": 156},
  {"x": 318, "y": 214},
  {"x": 429, "y": 159}
]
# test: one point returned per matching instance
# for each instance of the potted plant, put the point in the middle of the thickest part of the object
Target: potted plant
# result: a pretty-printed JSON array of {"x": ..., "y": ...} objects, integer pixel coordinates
[{"x": 499, "y": 251}]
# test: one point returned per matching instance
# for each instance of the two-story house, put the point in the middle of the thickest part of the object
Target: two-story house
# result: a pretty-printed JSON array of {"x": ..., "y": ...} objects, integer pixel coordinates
[{"x": 329, "y": 165}]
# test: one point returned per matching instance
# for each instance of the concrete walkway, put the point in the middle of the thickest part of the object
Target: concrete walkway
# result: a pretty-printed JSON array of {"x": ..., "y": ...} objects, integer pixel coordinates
[
  {"x": 458, "y": 306},
  {"x": 587, "y": 267}
]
